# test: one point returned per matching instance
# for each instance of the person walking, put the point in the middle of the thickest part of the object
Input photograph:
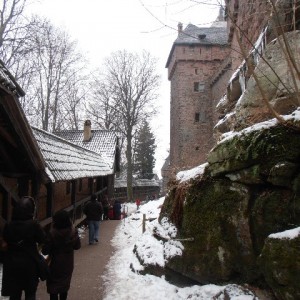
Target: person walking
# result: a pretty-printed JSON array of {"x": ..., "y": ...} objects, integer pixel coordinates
[
  {"x": 138, "y": 203},
  {"x": 117, "y": 210},
  {"x": 93, "y": 211},
  {"x": 105, "y": 205},
  {"x": 21, "y": 236},
  {"x": 60, "y": 244}
]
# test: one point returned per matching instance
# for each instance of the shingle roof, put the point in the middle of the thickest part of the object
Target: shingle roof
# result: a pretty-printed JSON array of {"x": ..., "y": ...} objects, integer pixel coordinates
[
  {"x": 66, "y": 161},
  {"x": 215, "y": 35},
  {"x": 102, "y": 141},
  {"x": 193, "y": 35}
]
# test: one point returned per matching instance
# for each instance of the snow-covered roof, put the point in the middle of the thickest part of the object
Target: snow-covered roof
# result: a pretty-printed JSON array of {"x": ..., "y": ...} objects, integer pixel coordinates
[
  {"x": 103, "y": 142},
  {"x": 67, "y": 161}
]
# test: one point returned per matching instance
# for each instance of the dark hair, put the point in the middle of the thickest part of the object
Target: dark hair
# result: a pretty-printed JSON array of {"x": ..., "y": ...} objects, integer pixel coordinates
[
  {"x": 24, "y": 208},
  {"x": 61, "y": 219}
]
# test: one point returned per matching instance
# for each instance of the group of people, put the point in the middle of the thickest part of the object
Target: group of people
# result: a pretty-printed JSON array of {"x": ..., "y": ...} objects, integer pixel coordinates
[{"x": 23, "y": 239}]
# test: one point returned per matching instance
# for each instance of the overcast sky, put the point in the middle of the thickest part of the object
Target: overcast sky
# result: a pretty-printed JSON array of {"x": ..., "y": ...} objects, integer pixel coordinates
[{"x": 102, "y": 27}]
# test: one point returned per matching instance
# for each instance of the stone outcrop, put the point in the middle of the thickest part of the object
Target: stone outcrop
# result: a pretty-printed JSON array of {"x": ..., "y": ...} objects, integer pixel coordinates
[
  {"x": 280, "y": 264},
  {"x": 244, "y": 97},
  {"x": 250, "y": 189}
]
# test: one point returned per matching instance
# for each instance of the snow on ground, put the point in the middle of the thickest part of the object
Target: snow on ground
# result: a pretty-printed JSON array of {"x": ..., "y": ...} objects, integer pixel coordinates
[{"x": 123, "y": 279}]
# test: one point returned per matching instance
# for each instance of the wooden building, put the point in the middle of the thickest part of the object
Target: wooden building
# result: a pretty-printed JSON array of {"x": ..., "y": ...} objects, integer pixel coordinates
[
  {"x": 56, "y": 172},
  {"x": 143, "y": 189}
]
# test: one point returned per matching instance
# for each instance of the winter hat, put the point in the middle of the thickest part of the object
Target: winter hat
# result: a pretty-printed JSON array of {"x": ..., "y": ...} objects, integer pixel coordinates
[
  {"x": 94, "y": 197},
  {"x": 61, "y": 219}
]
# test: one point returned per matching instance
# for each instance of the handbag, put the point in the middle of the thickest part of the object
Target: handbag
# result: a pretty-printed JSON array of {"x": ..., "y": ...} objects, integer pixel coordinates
[{"x": 43, "y": 267}]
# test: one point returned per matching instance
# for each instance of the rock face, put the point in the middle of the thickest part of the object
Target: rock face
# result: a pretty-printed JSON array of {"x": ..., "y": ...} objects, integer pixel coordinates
[
  {"x": 245, "y": 105},
  {"x": 280, "y": 261},
  {"x": 250, "y": 189}
]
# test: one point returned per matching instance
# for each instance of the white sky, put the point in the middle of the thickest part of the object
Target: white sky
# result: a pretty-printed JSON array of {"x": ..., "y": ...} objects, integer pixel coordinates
[{"x": 102, "y": 27}]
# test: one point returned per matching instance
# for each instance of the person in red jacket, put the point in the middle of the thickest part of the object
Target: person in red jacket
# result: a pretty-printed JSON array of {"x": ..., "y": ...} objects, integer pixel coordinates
[{"x": 138, "y": 203}]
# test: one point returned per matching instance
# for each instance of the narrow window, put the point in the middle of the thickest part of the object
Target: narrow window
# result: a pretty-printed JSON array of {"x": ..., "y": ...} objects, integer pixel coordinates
[
  {"x": 197, "y": 117},
  {"x": 196, "y": 71},
  {"x": 199, "y": 87}
]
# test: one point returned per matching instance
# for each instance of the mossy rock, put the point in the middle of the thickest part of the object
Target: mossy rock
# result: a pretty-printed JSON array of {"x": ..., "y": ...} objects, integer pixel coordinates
[
  {"x": 251, "y": 188},
  {"x": 264, "y": 147},
  {"x": 272, "y": 211},
  {"x": 280, "y": 264},
  {"x": 215, "y": 215}
]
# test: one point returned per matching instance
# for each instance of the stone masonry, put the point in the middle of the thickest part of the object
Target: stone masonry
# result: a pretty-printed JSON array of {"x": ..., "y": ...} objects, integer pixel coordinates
[{"x": 200, "y": 65}]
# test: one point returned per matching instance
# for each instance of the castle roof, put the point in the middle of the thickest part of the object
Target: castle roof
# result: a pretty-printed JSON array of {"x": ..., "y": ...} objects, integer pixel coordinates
[
  {"x": 216, "y": 35},
  {"x": 193, "y": 35}
]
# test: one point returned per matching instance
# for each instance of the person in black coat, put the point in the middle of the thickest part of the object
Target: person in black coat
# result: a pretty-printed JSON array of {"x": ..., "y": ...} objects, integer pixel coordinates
[
  {"x": 61, "y": 242},
  {"x": 93, "y": 211},
  {"x": 21, "y": 234},
  {"x": 117, "y": 210}
]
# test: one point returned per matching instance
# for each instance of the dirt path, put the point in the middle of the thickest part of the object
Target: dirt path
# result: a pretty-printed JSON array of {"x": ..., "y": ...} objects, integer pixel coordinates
[{"x": 90, "y": 262}]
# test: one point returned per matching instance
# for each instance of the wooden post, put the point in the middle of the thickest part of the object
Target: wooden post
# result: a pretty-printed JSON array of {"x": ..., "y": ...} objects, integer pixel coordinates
[{"x": 144, "y": 223}]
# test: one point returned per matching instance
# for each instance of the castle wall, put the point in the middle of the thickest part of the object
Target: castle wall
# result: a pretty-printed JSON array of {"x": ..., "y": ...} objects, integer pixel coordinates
[
  {"x": 251, "y": 17},
  {"x": 191, "y": 104}
]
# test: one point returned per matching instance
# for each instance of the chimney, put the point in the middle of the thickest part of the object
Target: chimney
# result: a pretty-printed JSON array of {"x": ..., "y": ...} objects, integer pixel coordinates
[
  {"x": 179, "y": 26},
  {"x": 87, "y": 131}
]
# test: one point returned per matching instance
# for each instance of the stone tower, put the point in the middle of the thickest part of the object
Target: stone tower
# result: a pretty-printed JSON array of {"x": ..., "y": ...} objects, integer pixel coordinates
[{"x": 195, "y": 57}]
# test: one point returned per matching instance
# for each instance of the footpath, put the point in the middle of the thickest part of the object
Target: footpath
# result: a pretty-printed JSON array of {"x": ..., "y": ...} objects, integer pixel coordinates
[{"x": 90, "y": 264}]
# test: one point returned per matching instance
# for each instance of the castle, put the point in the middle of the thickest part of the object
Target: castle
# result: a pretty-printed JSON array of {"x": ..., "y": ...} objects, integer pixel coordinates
[{"x": 200, "y": 66}]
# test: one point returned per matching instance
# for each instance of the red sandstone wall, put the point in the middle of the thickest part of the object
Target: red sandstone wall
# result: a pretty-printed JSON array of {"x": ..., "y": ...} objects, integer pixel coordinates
[
  {"x": 191, "y": 140},
  {"x": 251, "y": 17}
]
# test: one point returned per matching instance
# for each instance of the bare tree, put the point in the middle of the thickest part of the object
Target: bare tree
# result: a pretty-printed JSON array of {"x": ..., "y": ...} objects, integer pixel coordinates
[
  {"x": 14, "y": 37},
  {"x": 127, "y": 92},
  {"x": 100, "y": 109},
  {"x": 57, "y": 66},
  {"x": 10, "y": 20},
  {"x": 72, "y": 112}
]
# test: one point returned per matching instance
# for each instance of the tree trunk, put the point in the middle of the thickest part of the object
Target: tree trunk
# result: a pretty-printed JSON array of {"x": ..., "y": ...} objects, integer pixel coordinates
[{"x": 129, "y": 169}]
